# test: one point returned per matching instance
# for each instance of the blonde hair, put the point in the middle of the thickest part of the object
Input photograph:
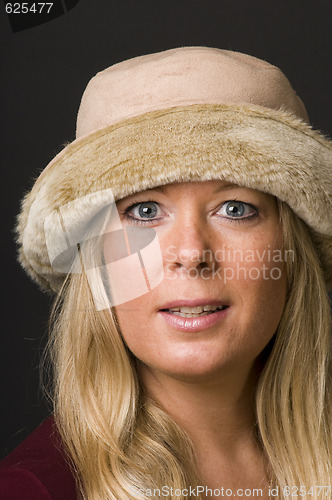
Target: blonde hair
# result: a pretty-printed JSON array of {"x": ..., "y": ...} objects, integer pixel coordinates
[
  {"x": 293, "y": 401},
  {"x": 119, "y": 440}
]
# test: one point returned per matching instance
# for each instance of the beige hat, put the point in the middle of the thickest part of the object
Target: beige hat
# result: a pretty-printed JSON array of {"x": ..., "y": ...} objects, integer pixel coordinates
[{"x": 187, "y": 114}]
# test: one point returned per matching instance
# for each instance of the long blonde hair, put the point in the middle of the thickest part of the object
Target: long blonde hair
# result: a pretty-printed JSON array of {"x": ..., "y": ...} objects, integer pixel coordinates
[{"x": 121, "y": 444}]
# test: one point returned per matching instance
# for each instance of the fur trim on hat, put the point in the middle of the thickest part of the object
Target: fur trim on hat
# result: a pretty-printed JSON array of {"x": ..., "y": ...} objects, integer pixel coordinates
[{"x": 268, "y": 150}]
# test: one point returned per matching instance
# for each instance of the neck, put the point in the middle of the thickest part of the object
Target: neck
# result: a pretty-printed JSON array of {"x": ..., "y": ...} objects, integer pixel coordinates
[
  {"x": 219, "y": 417},
  {"x": 216, "y": 413}
]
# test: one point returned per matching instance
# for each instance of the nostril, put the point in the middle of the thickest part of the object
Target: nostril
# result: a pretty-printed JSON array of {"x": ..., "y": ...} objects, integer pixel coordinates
[{"x": 204, "y": 265}]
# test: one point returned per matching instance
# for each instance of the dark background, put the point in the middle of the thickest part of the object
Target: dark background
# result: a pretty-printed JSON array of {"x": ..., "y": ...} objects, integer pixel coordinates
[{"x": 44, "y": 72}]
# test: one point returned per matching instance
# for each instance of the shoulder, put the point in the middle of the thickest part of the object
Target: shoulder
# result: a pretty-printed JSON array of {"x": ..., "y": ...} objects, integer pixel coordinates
[{"x": 38, "y": 469}]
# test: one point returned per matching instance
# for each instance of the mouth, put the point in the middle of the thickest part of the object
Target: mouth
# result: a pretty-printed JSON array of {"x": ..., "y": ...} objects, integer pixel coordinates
[
  {"x": 196, "y": 311},
  {"x": 194, "y": 315}
]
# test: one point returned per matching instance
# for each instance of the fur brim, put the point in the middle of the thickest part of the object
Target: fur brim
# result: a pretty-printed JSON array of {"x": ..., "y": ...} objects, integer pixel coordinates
[{"x": 271, "y": 151}]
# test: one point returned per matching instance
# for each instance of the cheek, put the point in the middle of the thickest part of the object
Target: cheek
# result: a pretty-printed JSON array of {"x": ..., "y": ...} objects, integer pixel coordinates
[
  {"x": 265, "y": 302},
  {"x": 133, "y": 323},
  {"x": 261, "y": 282}
]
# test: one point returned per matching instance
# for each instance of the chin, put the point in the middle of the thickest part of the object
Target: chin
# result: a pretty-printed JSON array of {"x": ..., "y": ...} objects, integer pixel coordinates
[{"x": 192, "y": 371}]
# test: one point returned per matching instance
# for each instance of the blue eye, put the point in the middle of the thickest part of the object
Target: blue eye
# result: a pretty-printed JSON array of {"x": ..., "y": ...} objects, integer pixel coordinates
[
  {"x": 147, "y": 209},
  {"x": 143, "y": 211},
  {"x": 234, "y": 209}
]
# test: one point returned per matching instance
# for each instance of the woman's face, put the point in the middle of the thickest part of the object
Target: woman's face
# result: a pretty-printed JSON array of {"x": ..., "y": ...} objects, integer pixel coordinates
[{"x": 224, "y": 284}]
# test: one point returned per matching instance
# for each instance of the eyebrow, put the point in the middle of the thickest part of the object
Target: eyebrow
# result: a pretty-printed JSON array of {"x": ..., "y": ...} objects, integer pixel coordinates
[{"x": 227, "y": 186}]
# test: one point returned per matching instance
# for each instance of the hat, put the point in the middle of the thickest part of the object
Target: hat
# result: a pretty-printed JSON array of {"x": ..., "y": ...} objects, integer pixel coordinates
[{"x": 186, "y": 114}]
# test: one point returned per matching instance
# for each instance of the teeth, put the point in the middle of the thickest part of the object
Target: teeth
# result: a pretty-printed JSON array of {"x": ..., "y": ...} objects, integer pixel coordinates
[
  {"x": 190, "y": 315},
  {"x": 197, "y": 309},
  {"x": 194, "y": 312},
  {"x": 212, "y": 308}
]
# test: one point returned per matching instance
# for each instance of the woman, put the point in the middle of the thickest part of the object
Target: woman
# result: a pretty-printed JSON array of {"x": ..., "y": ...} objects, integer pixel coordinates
[{"x": 187, "y": 232}]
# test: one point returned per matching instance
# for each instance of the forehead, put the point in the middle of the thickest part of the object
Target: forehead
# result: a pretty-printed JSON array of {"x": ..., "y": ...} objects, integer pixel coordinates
[{"x": 203, "y": 188}]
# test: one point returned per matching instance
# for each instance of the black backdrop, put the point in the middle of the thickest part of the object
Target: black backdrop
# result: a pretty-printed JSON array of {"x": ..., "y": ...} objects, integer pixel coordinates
[{"x": 44, "y": 71}]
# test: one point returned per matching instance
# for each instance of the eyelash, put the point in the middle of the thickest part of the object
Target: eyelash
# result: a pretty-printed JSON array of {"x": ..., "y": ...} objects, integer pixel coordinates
[
  {"x": 243, "y": 219},
  {"x": 125, "y": 213}
]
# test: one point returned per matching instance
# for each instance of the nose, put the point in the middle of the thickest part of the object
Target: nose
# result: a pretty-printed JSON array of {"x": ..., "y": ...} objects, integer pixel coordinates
[{"x": 190, "y": 246}]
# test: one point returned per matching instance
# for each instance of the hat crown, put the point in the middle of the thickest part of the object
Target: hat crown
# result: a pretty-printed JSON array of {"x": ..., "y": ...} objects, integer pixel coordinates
[{"x": 180, "y": 77}]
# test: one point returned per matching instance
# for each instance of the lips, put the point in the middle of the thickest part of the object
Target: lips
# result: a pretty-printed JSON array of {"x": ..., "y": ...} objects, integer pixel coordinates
[{"x": 194, "y": 315}]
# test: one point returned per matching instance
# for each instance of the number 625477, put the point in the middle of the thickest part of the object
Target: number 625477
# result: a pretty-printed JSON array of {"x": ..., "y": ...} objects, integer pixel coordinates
[{"x": 25, "y": 8}]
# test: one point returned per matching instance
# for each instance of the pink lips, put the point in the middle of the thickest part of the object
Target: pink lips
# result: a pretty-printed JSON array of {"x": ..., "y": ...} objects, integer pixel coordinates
[{"x": 193, "y": 324}]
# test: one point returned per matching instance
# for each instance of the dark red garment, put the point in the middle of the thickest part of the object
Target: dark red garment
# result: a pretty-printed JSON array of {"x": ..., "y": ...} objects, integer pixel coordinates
[{"x": 37, "y": 469}]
